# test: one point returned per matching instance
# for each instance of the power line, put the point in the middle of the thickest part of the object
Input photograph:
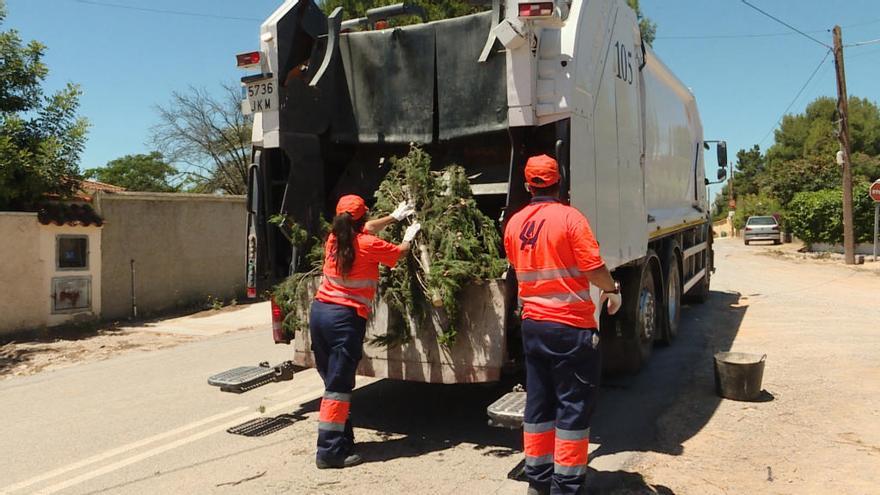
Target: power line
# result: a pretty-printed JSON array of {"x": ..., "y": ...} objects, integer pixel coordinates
[
  {"x": 726, "y": 36},
  {"x": 780, "y": 21},
  {"x": 165, "y": 11},
  {"x": 798, "y": 95},
  {"x": 755, "y": 35},
  {"x": 863, "y": 43}
]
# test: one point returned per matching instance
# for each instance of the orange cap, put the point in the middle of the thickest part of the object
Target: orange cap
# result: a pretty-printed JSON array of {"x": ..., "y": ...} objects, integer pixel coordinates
[
  {"x": 542, "y": 171},
  {"x": 353, "y": 205}
]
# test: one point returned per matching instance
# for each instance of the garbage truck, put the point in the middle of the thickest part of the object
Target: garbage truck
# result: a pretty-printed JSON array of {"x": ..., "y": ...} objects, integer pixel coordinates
[{"x": 334, "y": 99}]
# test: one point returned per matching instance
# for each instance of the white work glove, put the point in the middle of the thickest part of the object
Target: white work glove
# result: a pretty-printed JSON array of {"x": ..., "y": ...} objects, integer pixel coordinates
[
  {"x": 614, "y": 300},
  {"x": 403, "y": 210},
  {"x": 411, "y": 232}
]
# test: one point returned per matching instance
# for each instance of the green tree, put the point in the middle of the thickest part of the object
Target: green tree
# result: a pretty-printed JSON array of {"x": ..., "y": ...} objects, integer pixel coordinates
[
  {"x": 41, "y": 137},
  {"x": 148, "y": 172},
  {"x": 803, "y": 159},
  {"x": 785, "y": 179},
  {"x": 748, "y": 173},
  {"x": 756, "y": 205},
  {"x": 646, "y": 25},
  {"x": 817, "y": 216}
]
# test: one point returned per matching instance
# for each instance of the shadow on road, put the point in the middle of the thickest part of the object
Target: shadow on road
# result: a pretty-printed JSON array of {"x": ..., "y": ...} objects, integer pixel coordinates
[
  {"x": 621, "y": 483},
  {"x": 419, "y": 418},
  {"x": 627, "y": 416}
]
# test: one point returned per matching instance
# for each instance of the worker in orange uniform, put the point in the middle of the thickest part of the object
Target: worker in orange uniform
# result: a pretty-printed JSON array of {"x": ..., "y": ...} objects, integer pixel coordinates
[
  {"x": 556, "y": 258},
  {"x": 338, "y": 316}
]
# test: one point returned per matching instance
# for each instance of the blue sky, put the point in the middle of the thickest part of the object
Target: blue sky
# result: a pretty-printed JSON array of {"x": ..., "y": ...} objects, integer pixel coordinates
[{"x": 744, "y": 68}]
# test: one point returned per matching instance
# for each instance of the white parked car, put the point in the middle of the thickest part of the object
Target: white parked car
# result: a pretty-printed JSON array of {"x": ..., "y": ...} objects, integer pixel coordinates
[{"x": 762, "y": 229}]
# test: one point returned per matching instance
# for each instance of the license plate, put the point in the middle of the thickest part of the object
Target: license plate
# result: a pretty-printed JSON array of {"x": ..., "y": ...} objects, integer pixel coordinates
[{"x": 260, "y": 96}]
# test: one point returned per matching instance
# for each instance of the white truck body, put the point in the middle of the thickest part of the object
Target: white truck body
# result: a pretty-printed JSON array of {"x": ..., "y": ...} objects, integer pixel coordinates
[{"x": 625, "y": 129}]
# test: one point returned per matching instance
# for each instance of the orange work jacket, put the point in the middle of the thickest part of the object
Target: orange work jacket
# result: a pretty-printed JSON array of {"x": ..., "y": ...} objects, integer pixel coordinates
[
  {"x": 359, "y": 287},
  {"x": 551, "y": 247}
]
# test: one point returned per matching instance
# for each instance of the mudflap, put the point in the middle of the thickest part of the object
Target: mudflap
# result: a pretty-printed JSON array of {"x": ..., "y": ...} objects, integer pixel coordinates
[{"x": 245, "y": 378}]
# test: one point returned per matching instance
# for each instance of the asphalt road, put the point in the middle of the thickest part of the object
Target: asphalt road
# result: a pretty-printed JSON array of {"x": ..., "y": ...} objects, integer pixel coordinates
[{"x": 149, "y": 423}]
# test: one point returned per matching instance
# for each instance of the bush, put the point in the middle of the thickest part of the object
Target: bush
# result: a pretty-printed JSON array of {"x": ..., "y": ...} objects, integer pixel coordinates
[
  {"x": 756, "y": 205},
  {"x": 818, "y": 216}
]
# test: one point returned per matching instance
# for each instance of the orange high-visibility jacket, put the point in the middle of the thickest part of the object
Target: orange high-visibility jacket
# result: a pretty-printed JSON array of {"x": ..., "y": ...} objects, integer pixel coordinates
[
  {"x": 359, "y": 287},
  {"x": 551, "y": 246}
]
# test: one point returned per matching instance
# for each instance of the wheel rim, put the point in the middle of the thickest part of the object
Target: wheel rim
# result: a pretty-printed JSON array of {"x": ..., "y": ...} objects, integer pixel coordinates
[
  {"x": 647, "y": 315},
  {"x": 674, "y": 291}
]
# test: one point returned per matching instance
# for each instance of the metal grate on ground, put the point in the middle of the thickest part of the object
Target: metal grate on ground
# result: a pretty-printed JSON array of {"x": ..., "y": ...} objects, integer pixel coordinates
[{"x": 261, "y": 427}]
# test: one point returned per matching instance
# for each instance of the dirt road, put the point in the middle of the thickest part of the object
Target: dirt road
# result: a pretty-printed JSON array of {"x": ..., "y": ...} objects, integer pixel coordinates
[
  {"x": 148, "y": 423},
  {"x": 819, "y": 432}
]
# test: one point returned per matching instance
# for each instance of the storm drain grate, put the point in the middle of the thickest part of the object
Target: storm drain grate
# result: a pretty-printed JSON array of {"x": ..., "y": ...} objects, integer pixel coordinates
[{"x": 261, "y": 427}]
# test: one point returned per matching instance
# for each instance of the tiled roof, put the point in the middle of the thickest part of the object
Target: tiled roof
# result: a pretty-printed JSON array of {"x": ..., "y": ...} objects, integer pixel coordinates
[
  {"x": 69, "y": 214},
  {"x": 95, "y": 186}
]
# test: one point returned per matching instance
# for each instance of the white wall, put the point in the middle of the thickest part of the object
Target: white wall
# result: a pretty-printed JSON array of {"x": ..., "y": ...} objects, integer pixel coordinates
[{"x": 22, "y": 298}]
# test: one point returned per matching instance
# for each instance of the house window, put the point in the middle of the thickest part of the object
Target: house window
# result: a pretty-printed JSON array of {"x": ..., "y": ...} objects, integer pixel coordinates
[
  {"x": 73, "y": 252},
  {"x": 71, "y": 294}
]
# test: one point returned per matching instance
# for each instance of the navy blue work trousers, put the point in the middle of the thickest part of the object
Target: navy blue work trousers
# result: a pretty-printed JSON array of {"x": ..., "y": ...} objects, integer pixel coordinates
[
  {"x": 563, "y": 369},
  {"x": 337, "y": 334}
]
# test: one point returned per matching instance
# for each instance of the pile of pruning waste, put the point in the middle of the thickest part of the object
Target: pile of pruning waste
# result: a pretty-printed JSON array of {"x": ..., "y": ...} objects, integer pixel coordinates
[{"x": 457, "y": 246}]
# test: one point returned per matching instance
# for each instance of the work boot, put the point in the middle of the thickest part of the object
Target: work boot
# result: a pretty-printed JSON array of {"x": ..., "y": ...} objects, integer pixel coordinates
[
  {"x": 351, "y": 460},
  {"x": 538, "y": 490}
]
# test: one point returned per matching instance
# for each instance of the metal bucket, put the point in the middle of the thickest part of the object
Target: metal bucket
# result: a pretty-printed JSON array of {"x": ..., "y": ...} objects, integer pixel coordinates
[{"x": 738, "y": 375}]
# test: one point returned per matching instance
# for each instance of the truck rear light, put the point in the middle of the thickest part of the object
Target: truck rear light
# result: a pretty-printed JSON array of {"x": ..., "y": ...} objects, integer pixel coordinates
[
  {"x": 251, "y": 292},
  {"x": 247, "y": 59},
  {"x": 536, "y": 9},
  {"x": 278, "y": 333}
]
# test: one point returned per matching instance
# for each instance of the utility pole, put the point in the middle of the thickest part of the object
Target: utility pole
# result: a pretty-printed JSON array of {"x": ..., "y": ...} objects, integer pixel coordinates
[{"x": 849, "y": 246}]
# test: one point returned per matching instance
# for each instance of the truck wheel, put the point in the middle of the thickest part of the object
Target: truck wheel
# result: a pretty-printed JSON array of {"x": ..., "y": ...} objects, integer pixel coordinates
[
  {"x": 672, "y": 308},
  {"x": 641, "y": 316}
]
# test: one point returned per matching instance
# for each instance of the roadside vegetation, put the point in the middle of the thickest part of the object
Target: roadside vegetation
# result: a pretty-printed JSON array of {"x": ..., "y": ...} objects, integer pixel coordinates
[
  {"x": 41, "y": 136},
  {"x": 798, "y": 179}
]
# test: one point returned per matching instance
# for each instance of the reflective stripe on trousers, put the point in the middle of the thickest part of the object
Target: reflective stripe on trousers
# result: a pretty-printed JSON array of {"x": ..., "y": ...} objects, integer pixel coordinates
[
  {"x": 570, "y": 454},
  {"x": 538, "y": 443},
  {"x": 333, "y": 414}
]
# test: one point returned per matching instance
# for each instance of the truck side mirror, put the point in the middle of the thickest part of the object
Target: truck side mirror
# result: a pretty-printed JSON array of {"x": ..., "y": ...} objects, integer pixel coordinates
[
  {"x": 722, "y": 174},
  {"x": 722, "y": 154}
]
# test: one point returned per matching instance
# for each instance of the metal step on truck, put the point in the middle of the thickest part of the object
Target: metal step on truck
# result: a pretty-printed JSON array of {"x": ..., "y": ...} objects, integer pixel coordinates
[{"x": 333, "y": 100}]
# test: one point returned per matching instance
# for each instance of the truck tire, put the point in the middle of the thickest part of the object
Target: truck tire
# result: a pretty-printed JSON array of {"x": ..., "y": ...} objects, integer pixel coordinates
[
  {"x": 641, "y": 317},
  {"x": 672, "y": 292}
]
